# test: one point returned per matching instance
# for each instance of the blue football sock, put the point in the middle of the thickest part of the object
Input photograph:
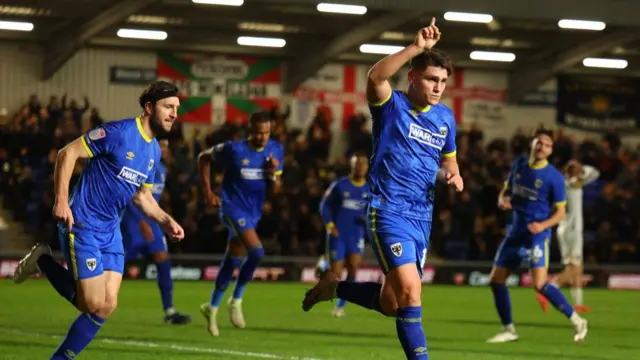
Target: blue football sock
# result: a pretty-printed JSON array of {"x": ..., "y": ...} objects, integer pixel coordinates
[
  {"x": 341, "y": 303},
  {"x": 502, "y": 302},
  {"x": 410, "y": 333},
  {"x": 59, "y": 277},
  {"x": 556, "y": 298},
  {"x": 165, "y": 283},
  {"x": 365, "y": 294},
  {"x": 247, "y": 269},
  {"x": 81, "y": 333},
  {"x": 225, "y": 274}
]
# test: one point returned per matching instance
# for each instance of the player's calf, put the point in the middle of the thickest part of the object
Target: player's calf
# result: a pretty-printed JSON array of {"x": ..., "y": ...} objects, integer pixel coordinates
[
  {"x": 165, "y": 284},
  {"x": 231, "y": 261},
  {"x": 245, "y": 275},
  {"x": 87, "y": 325},
  {"x": 407, "y": 287},
  {"x": 502, "y": 302},
  {"x": 558, "y": 300},
  {"x": 247, "y": 269}
]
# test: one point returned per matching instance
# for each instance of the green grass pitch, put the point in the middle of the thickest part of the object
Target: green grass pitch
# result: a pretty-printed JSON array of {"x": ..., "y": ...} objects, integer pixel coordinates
[{"x": 457, "y": 320}]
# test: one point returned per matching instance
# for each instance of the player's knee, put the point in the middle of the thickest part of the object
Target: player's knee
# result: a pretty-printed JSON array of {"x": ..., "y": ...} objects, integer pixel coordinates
[
  {"x": 160, "y": 257},
  {"x": 389, "y": 305},
  {"x": 236, "y": 249},
  {"x": 498, "y": 276},
  {"x": 256, "y": 254},
  {"x": 409, "y": 295},
  {"x": 108, "y": 307},
  {"x": 388, "y": 302},
  {"x": 92, "y": 304}
]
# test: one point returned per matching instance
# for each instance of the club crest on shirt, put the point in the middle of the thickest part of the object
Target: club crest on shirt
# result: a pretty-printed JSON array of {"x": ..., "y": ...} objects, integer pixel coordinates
[
  {"x": 396, "y": 249},
  {"x": 245, "y": 162},
  {"x": 91, "y": 263},
  {"x": 150, "y": 164},
  {"x": 443, "y": 130},
  {"x": 242, "y": 222},
  {"x": 97, "y": 134},
  {"x": 538, "y": 183}
]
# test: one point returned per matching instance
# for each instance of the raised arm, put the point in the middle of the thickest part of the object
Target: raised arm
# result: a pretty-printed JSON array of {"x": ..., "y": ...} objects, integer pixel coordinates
[{"x": 378, "y": 88}]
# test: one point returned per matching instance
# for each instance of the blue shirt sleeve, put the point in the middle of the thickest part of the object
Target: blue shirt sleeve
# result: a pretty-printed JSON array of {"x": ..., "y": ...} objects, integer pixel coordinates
[
  {"x": 328, "y": 203},
  {"x": 102, "y": 140},
  {"x": 381, "y": 110},
  {"x": 558, "y": 191},
  {"x": 449, "y": 149},
  {"x": 222, "y": 154}
]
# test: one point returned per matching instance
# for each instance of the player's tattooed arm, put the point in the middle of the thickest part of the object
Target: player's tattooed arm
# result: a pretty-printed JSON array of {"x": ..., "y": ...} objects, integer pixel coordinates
[
  {"x": 143, "y": 200},
  {"x": 205, "y": 163},
  {"x": 65, "y": 162}
]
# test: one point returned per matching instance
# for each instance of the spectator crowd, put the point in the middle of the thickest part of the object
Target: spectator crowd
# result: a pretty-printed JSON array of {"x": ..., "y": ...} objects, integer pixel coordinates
[{"x": 466, "y": 226}]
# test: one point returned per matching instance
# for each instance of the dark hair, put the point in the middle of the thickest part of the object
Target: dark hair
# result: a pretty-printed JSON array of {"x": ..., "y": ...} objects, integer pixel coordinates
[
  {"x": 258, "y": 117},
  {"x": 433, "y": 57},
  {"x": 156, "y": 91},
  {"x": 543, "y": 131}
]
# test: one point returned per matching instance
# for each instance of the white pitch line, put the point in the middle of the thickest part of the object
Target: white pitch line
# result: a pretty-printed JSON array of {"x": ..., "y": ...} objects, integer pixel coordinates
[{"x": 175, "y": 347}]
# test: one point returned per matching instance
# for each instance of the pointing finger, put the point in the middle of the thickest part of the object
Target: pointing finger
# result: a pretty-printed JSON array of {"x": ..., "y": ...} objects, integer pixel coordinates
[{"x": 433, "y": 21}]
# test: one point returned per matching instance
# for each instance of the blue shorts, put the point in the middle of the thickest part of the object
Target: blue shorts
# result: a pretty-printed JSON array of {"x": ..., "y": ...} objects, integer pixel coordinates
[
  {"x": 135, "y": 243},
  {"x": 237, "y": 222},
  {"x": 398, "y": 240},
  {"x": 90, "y": 253},
  {"x": 518, "y": 246},
  {"x": 344, "y": 246}
]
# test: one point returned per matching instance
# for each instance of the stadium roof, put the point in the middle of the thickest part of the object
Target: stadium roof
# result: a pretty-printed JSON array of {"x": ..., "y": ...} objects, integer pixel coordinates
[{"x": 528, "y": 29}]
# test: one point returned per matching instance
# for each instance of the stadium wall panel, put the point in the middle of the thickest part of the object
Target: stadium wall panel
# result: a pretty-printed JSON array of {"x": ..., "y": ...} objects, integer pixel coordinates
[{"x": 86, "y": 73}]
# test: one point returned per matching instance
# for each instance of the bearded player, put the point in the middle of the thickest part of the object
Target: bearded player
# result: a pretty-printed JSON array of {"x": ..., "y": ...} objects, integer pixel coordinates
[{"x": 122, "y": 156}]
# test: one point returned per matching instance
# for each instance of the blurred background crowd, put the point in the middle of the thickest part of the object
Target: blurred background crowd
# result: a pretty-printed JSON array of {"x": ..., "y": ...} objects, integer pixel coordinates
[{"x": 466, "y": 226}]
